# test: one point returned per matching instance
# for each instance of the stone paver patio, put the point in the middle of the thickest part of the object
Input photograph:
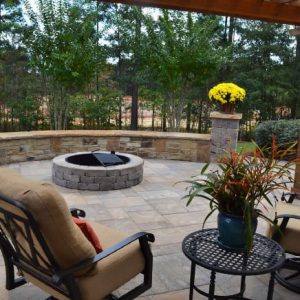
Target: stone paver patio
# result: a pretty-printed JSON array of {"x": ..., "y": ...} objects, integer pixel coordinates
[{"x": 155, "y": 206}]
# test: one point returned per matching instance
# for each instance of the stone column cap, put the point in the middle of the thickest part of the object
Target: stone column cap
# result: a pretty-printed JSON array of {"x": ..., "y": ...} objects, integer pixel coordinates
[{"x": 219, "y": 115}]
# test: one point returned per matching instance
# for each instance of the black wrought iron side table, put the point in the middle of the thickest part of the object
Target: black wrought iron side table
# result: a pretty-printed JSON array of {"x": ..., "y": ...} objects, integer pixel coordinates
[{"x": 203, "y": 249}]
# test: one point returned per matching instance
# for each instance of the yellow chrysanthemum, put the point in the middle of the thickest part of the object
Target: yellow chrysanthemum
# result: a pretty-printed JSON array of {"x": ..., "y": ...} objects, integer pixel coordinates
[{"x": 226, "y": 92}]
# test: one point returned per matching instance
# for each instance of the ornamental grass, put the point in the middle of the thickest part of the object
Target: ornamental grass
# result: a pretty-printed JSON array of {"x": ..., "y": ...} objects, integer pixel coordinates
[{"x": 243, "y": 183}]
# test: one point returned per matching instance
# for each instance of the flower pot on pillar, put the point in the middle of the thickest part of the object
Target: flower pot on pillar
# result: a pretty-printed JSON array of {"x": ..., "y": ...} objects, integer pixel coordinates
[
  {"x": 228, "y": 108},
  {"x": 227, "y": 94},
  {"x": 225, "y": 124}
]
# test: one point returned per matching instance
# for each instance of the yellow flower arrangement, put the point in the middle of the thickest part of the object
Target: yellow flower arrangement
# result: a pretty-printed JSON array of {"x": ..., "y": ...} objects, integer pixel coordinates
[{"x": 226, "y": 93}]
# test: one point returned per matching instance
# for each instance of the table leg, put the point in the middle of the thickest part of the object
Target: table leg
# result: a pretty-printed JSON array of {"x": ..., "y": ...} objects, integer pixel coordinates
[
  {"x": 243, "y": 285},
  {"x": 271, "y": 286},
  {"x": 192, "y": 280},
  {"x": 212, "y": 285}
]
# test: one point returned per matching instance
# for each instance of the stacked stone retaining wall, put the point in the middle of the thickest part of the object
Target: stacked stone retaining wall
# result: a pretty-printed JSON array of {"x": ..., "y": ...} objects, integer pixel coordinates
[{"x": 40, "y": 145}]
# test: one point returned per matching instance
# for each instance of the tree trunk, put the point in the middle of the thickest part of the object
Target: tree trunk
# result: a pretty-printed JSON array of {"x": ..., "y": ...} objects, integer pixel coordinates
[
  {"x": 142, "y": 114},
  {"x": 225, "y": 29},
  {"x": 12, "y": 119},
  {"x": 188, "y": 116},
  {"x": 1, "y": 117},
  {"x": 58, "y": 107},
  {"x": 153, "y": 116},
  {"x": 164, "y": 117},
  {"x": 118, "y": 74},
  {"x": 228, "y": 38},
  {"x": 134, "y": 107},
  {"x": 200, "y": 115},
  {"x": 180, "y": 103},
  {"x": 120, "y": 114},
  {"x": 97, "y": 56},
  {"x": 231, "y": 30},
  {"x": 136, "y": 60}
]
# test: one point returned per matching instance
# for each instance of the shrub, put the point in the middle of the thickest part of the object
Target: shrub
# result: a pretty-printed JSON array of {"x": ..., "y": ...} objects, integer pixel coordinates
[{"x": 285, "y": 132}]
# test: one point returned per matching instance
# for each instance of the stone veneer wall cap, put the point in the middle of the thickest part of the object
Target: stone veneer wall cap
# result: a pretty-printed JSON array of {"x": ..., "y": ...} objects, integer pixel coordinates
[
  {"x": 219, "y": 115},
  {"x": 101, "y": 133}
]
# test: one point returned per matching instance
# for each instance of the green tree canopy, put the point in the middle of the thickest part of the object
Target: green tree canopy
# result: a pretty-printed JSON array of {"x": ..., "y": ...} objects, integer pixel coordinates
[
  {"x": 182, "y": 52},
  {"x": 62, "y": 44}
]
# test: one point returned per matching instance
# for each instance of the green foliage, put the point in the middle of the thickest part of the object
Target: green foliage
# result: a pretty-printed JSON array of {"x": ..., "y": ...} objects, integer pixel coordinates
[
  {"x": 61, "y": 41},
  {"x": 152, "y": 99},
  {"x": 26, "y": 112},
  {"x": 181, "y": 53},
  {"x": 96, "y": 113},
  {"x": 260, "y": 58},
  {"x": 285, "y": 132},
  {"x": 10, "y": 22},
  {"x": 63, "y": 46},
  {"x": 244, "y": 147},
  {"x": 167, "y": 62},
  {"x": 126, "y": 45}
]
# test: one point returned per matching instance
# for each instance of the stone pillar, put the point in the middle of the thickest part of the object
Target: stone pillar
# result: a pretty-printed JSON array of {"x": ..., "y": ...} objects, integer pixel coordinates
[{"x": 224, "y": 133}]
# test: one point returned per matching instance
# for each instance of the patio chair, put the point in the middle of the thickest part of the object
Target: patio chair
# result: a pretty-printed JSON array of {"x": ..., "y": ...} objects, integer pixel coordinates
[
  {"x": 288, "y": 217},
  {"x": 39, "y": 239}
]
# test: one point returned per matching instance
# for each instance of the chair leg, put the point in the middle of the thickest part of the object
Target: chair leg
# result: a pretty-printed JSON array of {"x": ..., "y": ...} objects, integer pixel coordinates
[
  {"x": 11, "y": 281},
  {"x": 289, "y": 275}
]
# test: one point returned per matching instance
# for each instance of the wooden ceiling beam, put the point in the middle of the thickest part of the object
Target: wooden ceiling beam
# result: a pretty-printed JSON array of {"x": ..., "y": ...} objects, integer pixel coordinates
[
  {"x": 250, "y": 9},
  {"x": 285, "y": 1}
]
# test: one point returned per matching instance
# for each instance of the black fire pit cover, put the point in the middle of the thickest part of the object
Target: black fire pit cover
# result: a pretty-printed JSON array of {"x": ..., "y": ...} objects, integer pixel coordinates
[{"x": 108, "y": 159}]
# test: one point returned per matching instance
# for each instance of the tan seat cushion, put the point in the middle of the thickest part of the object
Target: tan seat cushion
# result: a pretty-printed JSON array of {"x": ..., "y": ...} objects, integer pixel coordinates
[
  {"x": 290, "y": 240},
  {"x": 116, "y": 269},
  {"x": 110, "y": 273},
  {"x": 65, "y": 240}
]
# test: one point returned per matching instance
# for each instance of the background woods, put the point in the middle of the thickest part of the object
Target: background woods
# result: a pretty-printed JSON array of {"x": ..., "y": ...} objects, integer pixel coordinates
[{"x": 86, "y": 64}]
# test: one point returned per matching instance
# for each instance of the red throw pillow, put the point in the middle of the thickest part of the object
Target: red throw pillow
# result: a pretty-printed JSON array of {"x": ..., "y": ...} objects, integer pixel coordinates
[{"x": 89, "y": 233}]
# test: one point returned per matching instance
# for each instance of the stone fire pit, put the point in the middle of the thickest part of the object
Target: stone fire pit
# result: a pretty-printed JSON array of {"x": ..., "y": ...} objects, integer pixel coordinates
[{"x": 96, "y": 178}]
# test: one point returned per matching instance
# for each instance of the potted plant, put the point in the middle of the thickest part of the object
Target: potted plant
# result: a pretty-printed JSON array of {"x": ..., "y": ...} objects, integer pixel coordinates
[
  {"x": 227, "y": 94},
  {"x": 240, "y": 189}
]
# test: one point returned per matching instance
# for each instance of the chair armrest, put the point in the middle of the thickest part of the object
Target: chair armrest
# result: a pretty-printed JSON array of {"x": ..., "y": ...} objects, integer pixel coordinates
[
  {"x": 141, "y": 236},
  {"x": 287, "y": 216},
  {"x": 291, "y": 195},
  {"x": 76, "y": 212}
]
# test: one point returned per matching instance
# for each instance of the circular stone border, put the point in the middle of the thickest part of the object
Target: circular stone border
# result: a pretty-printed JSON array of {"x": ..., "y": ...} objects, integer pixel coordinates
[{"x": 95, "y": 178}]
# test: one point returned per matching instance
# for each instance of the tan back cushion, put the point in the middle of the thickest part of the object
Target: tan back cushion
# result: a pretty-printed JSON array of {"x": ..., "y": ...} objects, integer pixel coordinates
[{"x": 49, "y": 209}]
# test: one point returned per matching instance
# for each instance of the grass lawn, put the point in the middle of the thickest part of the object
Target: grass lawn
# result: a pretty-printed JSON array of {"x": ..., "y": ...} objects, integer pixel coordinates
[{"x": 243, "y": 147}]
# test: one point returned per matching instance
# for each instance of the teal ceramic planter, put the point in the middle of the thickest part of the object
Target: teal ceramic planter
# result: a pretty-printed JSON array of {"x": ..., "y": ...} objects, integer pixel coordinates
[{"x": 232, "y": 231}]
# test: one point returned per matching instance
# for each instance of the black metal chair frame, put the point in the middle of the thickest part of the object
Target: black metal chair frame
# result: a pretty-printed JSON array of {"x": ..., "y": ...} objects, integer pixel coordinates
[
  {"x": 63, "y": 281},
  {"x": 293, "y": 263}
]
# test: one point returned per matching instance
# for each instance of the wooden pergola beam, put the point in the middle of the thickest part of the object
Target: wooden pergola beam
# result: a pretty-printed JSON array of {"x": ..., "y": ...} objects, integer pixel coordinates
[{"x": 271, "y": 11}]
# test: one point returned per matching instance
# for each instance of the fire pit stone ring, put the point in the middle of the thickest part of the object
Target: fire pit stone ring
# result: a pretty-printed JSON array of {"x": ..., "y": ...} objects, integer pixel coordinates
[{"x": 97, "y": 178}]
